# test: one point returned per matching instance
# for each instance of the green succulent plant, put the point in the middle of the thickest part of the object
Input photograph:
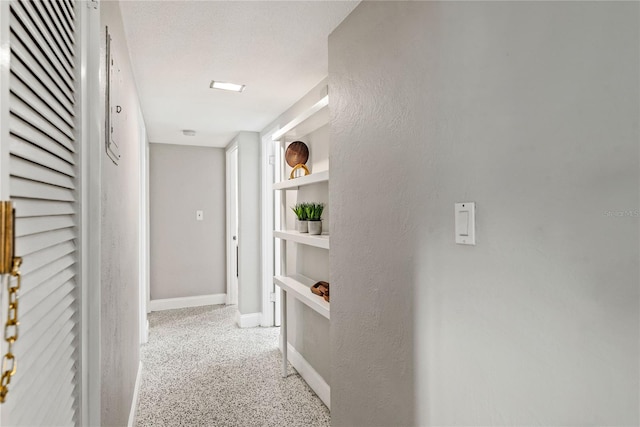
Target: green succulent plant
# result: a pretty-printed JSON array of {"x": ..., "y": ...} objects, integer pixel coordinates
[
  {"x": 300, "y": 209},
  {"x": 314, "y": 211}
]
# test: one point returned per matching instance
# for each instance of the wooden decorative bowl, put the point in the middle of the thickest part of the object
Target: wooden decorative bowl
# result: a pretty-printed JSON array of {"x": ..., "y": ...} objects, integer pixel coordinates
[{"x": 297, "y": 153}]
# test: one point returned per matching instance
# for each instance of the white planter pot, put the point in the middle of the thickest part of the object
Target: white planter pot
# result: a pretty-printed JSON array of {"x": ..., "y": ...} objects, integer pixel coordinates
[
  {"x": 301, "y": 226},
  {"x": 315, "y": 227}
]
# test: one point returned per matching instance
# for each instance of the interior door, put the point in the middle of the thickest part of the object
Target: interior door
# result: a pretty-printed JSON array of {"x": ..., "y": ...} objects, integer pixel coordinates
[{"x": 39, "y": 122}]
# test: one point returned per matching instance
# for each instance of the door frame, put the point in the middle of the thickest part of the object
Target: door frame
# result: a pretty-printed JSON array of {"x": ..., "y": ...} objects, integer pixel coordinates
[
  {"x": 231, "y": 159},
  {"x": 268, "y": 160},
  {"x": 91, "y": 131},
  {"x": 143, "y": 233}
]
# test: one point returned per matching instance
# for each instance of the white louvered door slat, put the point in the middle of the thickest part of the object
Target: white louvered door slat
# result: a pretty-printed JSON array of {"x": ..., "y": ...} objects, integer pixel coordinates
[
  {"x": 26, "y": 113},
  {"x": 26, "y": 188},
  {"x": 45, "y": 257},
  {"x": 42, "y": 175},
  {"x": 71, "y": 13},
  {"x": 23, "y": 73},
  {"x": 58, "y": 18},
  {"x": 27, "y": 226},
  {"x": 22, "y": 130},
  {"x": 51, "y": 277},
  {"x": 32, "y": 244},
  {"x": 52, "y": 81},
  {"x": 38, "y": 105},
  {"x": 54, "y": 27},
  {"x": 60, "y": 343},
  {"x": 55, "y": 323},
  {"x": 44, "y": 26},
  {"x": 35, "y": 172},
  {"x": 36, "y": 154},
  {"x": 34, "y": 207},
  {"x": 22, "y": 11}
]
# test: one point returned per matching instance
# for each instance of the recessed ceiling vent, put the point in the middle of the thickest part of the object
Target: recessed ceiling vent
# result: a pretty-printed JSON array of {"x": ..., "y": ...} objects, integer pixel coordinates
[
  {"x": 189, "y": 132},
  {"x": 233, "y": 87}
]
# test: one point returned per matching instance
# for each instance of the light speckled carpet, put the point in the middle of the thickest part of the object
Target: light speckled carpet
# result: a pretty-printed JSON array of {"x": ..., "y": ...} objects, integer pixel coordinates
[{"x": 200, "y": 369}]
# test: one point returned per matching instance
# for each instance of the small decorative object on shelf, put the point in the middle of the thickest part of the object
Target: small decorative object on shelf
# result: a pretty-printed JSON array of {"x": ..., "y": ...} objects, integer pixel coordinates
[
  {"x": 301, "y": 213},
  {"x": 314, "y": 216},
  {"x": 321, "y": 289},
  {"x": 297, "y": 155}
]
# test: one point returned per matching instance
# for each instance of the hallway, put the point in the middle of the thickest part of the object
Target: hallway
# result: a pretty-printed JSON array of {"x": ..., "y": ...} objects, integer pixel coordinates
[{"x": 200, "y": 369}]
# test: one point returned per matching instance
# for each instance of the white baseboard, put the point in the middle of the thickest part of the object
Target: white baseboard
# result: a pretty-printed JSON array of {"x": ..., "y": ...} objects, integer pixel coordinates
[
  {"x": 310, "y": 375},
  {"x": 250, "y": 320},
  {"x": 184, "y": 302},
  {"x": 134, "y": 400}
]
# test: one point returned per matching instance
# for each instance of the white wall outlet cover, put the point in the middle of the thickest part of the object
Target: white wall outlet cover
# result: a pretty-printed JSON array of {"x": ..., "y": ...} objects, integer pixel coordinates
[
  {"x": 199, "y": 215},
  {"x": 465, "y": 223}
]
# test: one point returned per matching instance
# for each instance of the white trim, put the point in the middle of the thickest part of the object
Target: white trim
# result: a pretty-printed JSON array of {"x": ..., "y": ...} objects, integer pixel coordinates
[
  {"x": 184, "y": 302},
  {"x": 147, "y": 242},
  {"x": 134, "y": 399},
  {"x": 250, "y": 320},
  {"x": 310, "y": 375},
  {"x": 302, "y": 118},
  {"x": 232, "y": 281},
  {"x": 142, "y": 232},
  {"x": 268, "y": 172},
  {"x": 91, "y": 135}
]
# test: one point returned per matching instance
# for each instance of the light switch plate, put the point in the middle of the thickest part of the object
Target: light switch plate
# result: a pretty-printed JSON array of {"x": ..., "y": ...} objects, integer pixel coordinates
[
  {"x": 199, "y": 215},
  {"x": 465, "y": 223}
]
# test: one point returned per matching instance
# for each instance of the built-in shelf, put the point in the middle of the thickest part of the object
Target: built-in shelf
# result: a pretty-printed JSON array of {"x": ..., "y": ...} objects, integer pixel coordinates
[
  {"x": 298, "y": 287},
  {"x": 321, "y": 241},
  {"x": 310, "y": 120},
  {"x": 314, "y": 178}
]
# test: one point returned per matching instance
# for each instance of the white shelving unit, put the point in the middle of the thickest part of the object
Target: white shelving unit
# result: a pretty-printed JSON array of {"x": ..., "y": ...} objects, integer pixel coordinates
[
  {"x": 292, "y": 184},
  {"x": 289, "y": 282},
  {"x": 321, "y": 241},
  {"x": 298, "y": 286},
  {"x": 312, "y": 119}
]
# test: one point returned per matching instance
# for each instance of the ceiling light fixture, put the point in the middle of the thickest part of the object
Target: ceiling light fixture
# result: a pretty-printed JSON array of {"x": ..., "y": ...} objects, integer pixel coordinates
[
  {"x": 226, "y": 86},
  {"x": 189, "y": 132}
]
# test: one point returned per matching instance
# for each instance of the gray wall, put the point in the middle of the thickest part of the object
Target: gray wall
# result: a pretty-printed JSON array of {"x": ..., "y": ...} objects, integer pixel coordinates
[
  {"x": 187, "y": 256},
  {"x": 120, "y": 242},
  {"x": 249, "y": 214},
  {"x": 530, "y": 110}
]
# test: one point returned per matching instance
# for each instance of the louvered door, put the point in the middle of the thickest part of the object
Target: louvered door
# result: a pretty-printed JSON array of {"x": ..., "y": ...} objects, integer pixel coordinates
[{"x": 42, "y": 182}]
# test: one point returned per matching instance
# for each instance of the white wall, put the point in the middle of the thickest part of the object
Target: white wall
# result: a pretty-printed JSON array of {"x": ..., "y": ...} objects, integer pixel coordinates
[
  {"x": 187, "y": 256},
  {"x": 531, "y": 110},
  {"x": 120, "y": 202}
]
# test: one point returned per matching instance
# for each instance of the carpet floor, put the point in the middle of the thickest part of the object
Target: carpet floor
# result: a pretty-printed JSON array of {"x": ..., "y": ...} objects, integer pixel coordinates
[{"x": 200, "y": 369}]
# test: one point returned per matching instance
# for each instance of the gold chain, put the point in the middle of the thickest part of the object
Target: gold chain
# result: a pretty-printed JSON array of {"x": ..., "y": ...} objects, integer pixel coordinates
[{"x": 9, "y": 364}]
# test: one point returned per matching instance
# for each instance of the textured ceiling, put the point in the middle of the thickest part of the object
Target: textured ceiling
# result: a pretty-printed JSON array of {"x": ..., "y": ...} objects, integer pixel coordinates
[{"x": 277, "y": 49}]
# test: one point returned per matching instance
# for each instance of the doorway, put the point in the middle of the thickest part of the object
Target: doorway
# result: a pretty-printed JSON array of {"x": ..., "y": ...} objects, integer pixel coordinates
[{"x": 232, "y": 225}]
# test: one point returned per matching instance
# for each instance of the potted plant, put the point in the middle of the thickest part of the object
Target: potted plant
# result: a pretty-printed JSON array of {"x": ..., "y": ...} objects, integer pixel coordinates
[
  {"x": 314, "y": 217},
  {"x": 300, "y": 209}
]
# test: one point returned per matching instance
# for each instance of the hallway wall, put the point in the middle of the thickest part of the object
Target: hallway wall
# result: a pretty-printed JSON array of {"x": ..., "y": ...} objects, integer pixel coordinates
[
  {"x": 120, "y": 291},
  {"x": 530, "y": 109},
  {"x": 187, "y": 256}
]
